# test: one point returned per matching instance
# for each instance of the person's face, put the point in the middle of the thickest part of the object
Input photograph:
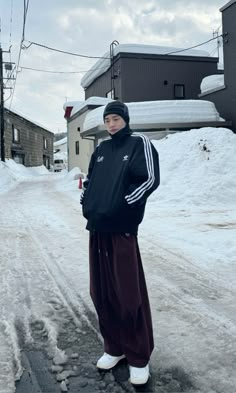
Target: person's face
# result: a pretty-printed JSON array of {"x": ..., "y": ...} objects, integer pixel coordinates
[{"x": 114, "y": 123}]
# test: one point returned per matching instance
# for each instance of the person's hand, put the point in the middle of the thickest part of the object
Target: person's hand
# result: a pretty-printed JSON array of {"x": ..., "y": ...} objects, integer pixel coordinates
[{"x": 82, "y": 198}]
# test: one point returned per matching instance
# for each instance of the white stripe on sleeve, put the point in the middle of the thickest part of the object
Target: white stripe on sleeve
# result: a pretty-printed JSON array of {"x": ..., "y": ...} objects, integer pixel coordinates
[{"x": 139, "y": 191}]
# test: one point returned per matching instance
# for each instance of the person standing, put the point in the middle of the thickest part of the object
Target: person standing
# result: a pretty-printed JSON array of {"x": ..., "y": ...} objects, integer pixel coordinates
[{"x": 123, "y": 172}]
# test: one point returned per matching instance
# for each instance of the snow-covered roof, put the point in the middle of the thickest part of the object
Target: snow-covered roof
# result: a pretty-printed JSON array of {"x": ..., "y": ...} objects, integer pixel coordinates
[
  {"x": 28, "y": 119},
  {"x": 62, "y": 141},
  {"x": 159, "y": 112},
  {"x": 78, "y": 105},
  {"x": 227, "y": 5},
  {"x": 212, "y": 82},
  {"x": 103, "y": 64},
  {"x": 71, "y": 103}
]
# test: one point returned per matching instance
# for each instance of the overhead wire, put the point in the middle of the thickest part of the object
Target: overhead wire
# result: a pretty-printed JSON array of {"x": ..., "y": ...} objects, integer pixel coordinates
[
  {"x": 62, "y": 51},
  {"x": 192, "y": 47},
  {"x": 62, "y": 72},
  {"x": 26, "y": 5},
  {"x": 92, "y": 70}
]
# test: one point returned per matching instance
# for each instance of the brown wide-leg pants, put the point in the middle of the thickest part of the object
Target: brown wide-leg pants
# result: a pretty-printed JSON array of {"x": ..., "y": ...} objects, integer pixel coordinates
[{"x": 119, "y": 293}]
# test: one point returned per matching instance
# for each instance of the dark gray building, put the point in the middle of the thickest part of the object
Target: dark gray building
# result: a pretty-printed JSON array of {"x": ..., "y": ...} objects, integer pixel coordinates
[
  {"x": 134, "y": 77},
  {"x": 224, "y": 98},
  {"x": 26, "y": 142}
]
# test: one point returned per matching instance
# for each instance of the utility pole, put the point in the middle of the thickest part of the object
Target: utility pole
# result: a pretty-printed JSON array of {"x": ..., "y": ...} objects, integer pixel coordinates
[
  {"x": 216, "y": 34},
  {"x": 8, "y": 67},
  {"x": 2, "y": 108}
]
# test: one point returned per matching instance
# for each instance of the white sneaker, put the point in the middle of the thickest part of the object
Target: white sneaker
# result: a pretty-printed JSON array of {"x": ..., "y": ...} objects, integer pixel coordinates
[
  {"x": 139, "y": 375},
  {"x": 108, "y": 361}
]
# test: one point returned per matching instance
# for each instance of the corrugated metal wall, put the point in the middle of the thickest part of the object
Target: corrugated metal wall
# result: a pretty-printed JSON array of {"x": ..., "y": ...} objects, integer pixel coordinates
[
  {"x": 151, "y": 78},
  {"x": 147, "y": 79}
]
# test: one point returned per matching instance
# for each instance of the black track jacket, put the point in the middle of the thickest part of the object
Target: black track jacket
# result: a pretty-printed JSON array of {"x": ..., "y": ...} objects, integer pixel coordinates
[{"x": 123, "y": 172}]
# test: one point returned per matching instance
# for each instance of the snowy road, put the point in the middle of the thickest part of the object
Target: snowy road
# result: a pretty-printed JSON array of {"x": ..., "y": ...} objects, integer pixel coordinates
[{"x": 44, "y": 279}]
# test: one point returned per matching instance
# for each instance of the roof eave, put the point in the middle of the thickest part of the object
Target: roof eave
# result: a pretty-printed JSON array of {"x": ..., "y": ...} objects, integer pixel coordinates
[
  {"x": 98, "y": 130},
  {"x": 227, "y": 5}
]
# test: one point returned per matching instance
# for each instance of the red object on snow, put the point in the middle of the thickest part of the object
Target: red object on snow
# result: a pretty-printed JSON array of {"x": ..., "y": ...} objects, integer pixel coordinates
[{"x": 80, "y": 185}]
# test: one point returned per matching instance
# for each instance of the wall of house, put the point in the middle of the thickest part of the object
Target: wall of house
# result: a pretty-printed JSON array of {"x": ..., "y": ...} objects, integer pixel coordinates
[
  {"x": 101, "y": 86},
  {"x": 86, "y": 147},
  {"x": 225, "y": 100},
  {"x": 151, "y": 78},
  {"x": 148, "y": 80},
  {"x": 31, "y": 143}
]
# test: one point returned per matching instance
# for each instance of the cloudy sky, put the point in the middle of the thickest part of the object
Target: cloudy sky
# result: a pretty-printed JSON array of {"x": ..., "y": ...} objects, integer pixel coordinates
[{"x": 88, "y": 27}]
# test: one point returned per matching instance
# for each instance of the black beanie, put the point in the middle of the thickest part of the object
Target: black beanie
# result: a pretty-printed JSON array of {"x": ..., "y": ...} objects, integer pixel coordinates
[{"x": 117, "y": 108}]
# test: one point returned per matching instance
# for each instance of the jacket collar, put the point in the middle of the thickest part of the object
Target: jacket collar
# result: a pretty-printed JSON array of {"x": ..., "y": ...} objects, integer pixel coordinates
[{"x": 121, "y": 133}]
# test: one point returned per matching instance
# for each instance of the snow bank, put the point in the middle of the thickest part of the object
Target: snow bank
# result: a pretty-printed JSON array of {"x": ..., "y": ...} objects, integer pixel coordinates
[
  {"x": 12, "y": 173},
  {"x": 103, "y": 64},
  {"x": 159, "y": 112},
  {"x": 212, "y": 82},
  {"x": 197, "y": 167}
]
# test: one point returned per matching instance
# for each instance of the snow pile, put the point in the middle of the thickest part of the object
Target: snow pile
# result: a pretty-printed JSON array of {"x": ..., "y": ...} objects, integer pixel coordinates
[
  {"x": 197, "y": 167},
  {"x": 161, "y": 112},
  {"x": 7, "y": 178},
  {"x": 212, "y": 82},
  {"x": 103, "y": 64},
  {"x": 74, "y": 174},
  {"x": 12, "y": 173},
  {"x": 71, "y": 181}
]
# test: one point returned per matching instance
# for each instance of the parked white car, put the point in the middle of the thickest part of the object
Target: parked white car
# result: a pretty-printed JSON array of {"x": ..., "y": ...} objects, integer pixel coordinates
[{"x": 59, "y": 165}]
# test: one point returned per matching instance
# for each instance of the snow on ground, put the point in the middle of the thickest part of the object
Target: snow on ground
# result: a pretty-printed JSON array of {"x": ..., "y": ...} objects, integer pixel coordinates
[
  {"x": 12, "y": 173},
  {"x": 187, "y": 241}
]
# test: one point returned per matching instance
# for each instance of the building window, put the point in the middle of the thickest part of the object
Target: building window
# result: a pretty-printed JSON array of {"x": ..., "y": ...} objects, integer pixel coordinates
[
  {"x": 77, "y": 147},
  {"x": 45, "y": 143},
  {"x": 111, "y": 94},
  {"x": 179, "y": 91},
  {"x": 78, "y": 129},
  {"x": 15, "y": 134}
]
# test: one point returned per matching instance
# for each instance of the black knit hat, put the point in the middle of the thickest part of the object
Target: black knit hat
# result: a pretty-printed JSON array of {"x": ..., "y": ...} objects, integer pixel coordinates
[{"x": 117, "y": 108}]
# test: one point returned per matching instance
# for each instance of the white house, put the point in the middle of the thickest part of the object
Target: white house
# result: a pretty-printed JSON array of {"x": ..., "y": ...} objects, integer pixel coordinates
[{"x": 80, "y": 149}]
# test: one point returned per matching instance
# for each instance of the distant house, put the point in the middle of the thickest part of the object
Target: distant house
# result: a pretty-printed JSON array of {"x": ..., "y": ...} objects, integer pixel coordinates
[
  {"x": 60, "y": 152},
  {"x": 27, "y": 142},
  {"x": 60, "y": 146},
  {"x": 146, "y": 73},
  {"x": 223, "y": 91}
]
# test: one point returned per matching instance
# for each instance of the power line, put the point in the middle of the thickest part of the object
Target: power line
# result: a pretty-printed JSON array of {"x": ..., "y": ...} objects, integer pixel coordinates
[
  {"x": 195, "y": 46},
  {"x": 108, "y": 58},
  {"x": 61, "y": 51},
  {"x": 62, "y": 72},
  {"x": 26, "y": 5},
  {"x": 21, "y": 43}
]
